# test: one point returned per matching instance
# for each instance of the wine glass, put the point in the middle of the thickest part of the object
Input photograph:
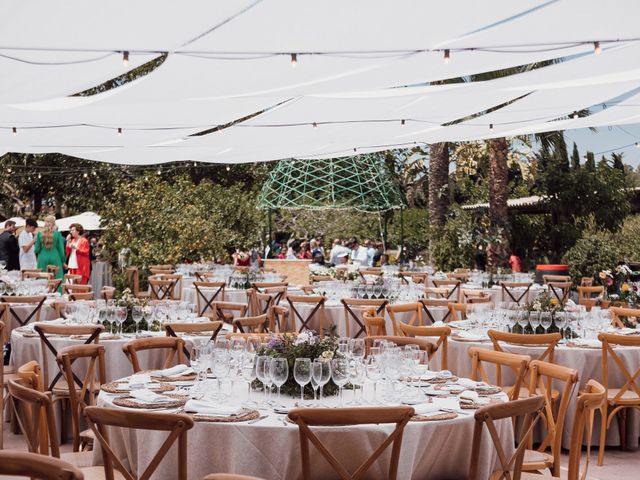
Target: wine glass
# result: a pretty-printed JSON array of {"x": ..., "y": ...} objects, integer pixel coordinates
[
  {"x": 220, "y": 366},
  {"x": 111, "y": 318},
  {"x": 374, "y": 373},
  {"x": 102, "y": 315},
  {"x": 253, "y": 343},
  {"x": 199, "y": 365},
  {"x": 136, "y": 315},
  {"x": 262, "y": 372},
  {"x": 121, "y": 317},
  {"x": 343, "y": 346},
  {"x": 302, "y": 374},
  {"x": 356, "y": 378},
  {"x": 356, "y": 348},
  {"x": 340, "y": 375},
  {"x": 249, "y": 373},
  {"x": 279, "y": 370},
  {"x": 545, "y": 320},
  {"x": 70, "y": 311}
]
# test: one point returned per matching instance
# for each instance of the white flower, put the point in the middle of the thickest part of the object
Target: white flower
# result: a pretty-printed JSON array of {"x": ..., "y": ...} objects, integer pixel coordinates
[
  {"x": 537, "y": 306},
  {"x": 327, "y": 354}
]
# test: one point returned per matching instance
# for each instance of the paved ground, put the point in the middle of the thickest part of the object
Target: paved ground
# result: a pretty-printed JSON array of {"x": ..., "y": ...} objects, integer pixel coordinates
[{"x": 618, "y": 465}]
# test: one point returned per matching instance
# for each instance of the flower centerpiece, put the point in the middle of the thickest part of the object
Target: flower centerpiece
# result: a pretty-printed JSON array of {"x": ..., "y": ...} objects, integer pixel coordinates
[
  {"x": 129, "y": 300},
  {"x": 621, "y": 285},
  {"x": 543, "y": 306},
  {"x": 306, "y": 344}
]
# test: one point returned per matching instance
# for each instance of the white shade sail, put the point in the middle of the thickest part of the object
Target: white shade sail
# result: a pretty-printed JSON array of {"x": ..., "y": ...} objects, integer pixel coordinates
[{"x": 88, "y": 220}]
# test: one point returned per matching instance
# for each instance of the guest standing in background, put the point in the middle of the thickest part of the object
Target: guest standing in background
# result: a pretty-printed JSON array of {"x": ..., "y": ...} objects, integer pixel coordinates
[
  {"x": 26, "y": 241},
  {"x": 9, "y": 250},
  {"x": 78, "y": 253},
  {"x": 481, "y": 259},
  {"x": 359, "y": 254},
  {"x": 515, "y": 262},
  {"x": 50, "y": 247}
]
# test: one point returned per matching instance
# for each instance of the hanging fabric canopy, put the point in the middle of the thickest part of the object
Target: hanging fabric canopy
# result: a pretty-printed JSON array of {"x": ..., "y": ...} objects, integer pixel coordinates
[
  {"x": 88, "y": 220},
  {"x": 360, "y": 182}
]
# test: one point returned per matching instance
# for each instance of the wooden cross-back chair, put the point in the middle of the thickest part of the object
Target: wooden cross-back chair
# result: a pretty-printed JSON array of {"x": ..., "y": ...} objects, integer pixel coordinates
[
  {"x": 161, "y": 269},
  {"x": 530, "y": 409},
  {"x": 227, "y": 311},
  {"x": 589, "y": 292},
  {"x": 206, "y": 294},
  {"x": 413, "y": 309},
  {"x": 30, "y": 375},
  {"x": 320, "y": 278},
  {"x": 467, "y": 294},
  {"x": 176, "y": 288},
  {"x": 317, "y": 301},
  {"x": 85, "y": 393},
  {"x": 72, "y": 278},
  {"x": 173, "y": 347},
  {"x": 202, "y": 328},
  {"x": 279, "y": 319},
  {"x": 262, "y": 286},
  {"x": 556, "y": 278},
  {"x": 618, "y": 313},
  {"x": 517, "y": 292},
  {"x": 259, "y": 302},
  {"x": 586, "y": 282},
  {"x": 542, "y": 374},
  {"x": 423, "y": 344},
  {"x": 310, "y": 417},
  {"x": 457, "y": 311},
  {"x": 257, "y": 324},
  {"x": 518, "y": 363},
  {"x": 430, "y": 303},
  {"x": 453, "y": 287},
  {"x": 53, "y": 285},
  {"x": 36, "y": 275},
  {"x": 442, "y": 342},
  {"x": 278, "y": 293},
  {"x": 133, "y": 280},
  {"x": 437, "y": 293},
  {"x": 618, "y": 400},
  {"x": 12, "y": 315},
  {"x": 461, "y": 276},
  {"x": 34, "y": 465},
  {"x": 175, "y": 424},
  {"x": 548, "y": 340},
  {"x": 160, "y": 289},
  {"x": 27, "y": 272},
  {"x": 75, "y": 288},
  {"x": 108, "y": 293},
  {"x": 374, "y": 324},
  {"x": 355, "y": 307},
  {"x": 81, "y": 296},
  {"x": 53, "y": 269},
  {"x": 205, "y": 276},
  {"x": 44, "y": 330},
  {"x": 560, "y": 290},
  {"x": 415, "y": 277}
]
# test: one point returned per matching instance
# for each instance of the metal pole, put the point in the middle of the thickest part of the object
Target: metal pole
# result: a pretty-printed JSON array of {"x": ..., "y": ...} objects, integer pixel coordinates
[
  {"x": 402, "y": 259},
  {"x": 269, "y": 240}
]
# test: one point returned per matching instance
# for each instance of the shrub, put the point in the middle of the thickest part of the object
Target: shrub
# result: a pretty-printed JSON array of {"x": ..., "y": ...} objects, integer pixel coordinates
[
  {"x": 628, "y": 239},
  {"x": 595, "y": 251}
]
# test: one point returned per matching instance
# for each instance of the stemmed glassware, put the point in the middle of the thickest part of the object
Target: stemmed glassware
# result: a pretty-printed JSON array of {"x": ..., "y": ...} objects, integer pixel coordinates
[
  {"x": 302, "y": 374},
  {"x": 279, "y": 369},
  {"x": 356, "y": 348},
  {"x": 249, "y": 373},
  {"x": 545, "y": 321},
  {"x": 374, "y": 373},
  {"x": 263, "y": 373},
  {"x": 340, "y": 374},
  {"x": 356, "y": 379},
  {"x": 200, "y": 363},
  {"x": 111, "y": 317},
  {"x": 321, "y": 373},
  {"x": 136, "y": 315},
  {"x": 220, "y": 365},
  {"x": 121, "y": 317}
]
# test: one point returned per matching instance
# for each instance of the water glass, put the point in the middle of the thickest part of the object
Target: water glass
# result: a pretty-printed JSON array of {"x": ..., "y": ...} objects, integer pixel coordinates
[
  {"x": 279, "y": 369},
  {"x": 340, "y": 374},
  {"x": 321, "y": 373},
  {"x": 136, "y": 315},
  {"x": 249, "y": 373},
  {"x": 302, "y": 374}
]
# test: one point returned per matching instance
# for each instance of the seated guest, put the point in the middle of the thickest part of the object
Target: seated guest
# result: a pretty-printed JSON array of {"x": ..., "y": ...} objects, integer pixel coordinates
[{"x": 318, "y": 258}]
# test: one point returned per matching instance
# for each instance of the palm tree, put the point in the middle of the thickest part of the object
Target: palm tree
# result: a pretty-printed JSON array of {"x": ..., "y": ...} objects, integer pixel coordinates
[{"x": 438, "y": 183}]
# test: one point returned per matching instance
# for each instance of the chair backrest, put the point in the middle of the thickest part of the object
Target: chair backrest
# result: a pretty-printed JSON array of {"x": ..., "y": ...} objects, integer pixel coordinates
[
  {"x": 53, "y": 269},
  {"x": 517, "y": 292},
  {"x": 176, "y": 289},
  {"x": 220, "y": 308},
  {"x": 590, "y": 400},
  {"x": 206, "y": 294},
  {"x": 518, "y": 363},
  {"x": 486, "y": 299},
  {"x": 173, "y": 347},
  {"x": 317, "y": 301},
  {"x": 257, "y": 324},
  {"x": 442, "y": 342},
  {"x": 309, "y": 417},
  {"x": 229, "y": 476},
  {"x": 411, "y": 315},
  {"x": 429, "y": 304},
  {"x": 34, "y": 413},
  {"x": 589, "y": 292},
  {"x": 81, "y": 296},
  {"x": 31, "y": 373},
  {"x": 461, "y": 276},
  {"x": 261, "y": 286},
  {"x": 542, "y": 375},
  {"x": 279, "y": 318},
  {"x": 15, "y": 309},
  {"x": 453, "y": 286},
  {"x": 53, "y": 285},
  {"x": 617, "y": 313},
  {"x": 556, "y": 278},
  {"x": 161, "y": 289},
  {"x": 133, "y": 280},
  {"x": 36, "y": 274},
  {"x": 423, "y": 344},
  {"x": 457, "y": 311},
  {"x": 354, "y": 309},
  {"x": 174, "y": 329},
  {"x": 560, "y": 290},
  {"x": 530, "y": 409},
  {"x": 75, "y": 288},
  {"x": 438, "y": 293},
  {"x": 586, "y": 281},
  {"x": 469, "y": 293},
  {"x": 609, "y": 341},
  {"x": 85, "y": 393},
  {"x": 175, "y": 423},
  {"x": 34, "y": 465},
  {"x": 373, "y": 324},
  {"x": 72, "y": 278},
  {"x": 108, "y": 293},
  {"x": 44, "y": 330}
]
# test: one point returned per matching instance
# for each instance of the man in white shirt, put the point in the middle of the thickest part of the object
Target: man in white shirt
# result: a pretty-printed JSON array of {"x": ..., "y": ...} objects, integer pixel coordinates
[
  {"x": 358, "y": 253},
  {"x": 26, "y": 240},
  {"x": 337, "y": 251},
  {"x": 371, "y": 252}
]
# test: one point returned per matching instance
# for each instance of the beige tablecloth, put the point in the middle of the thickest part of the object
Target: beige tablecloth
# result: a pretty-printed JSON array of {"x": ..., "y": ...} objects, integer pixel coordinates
[{"x": 588, "y": 363}]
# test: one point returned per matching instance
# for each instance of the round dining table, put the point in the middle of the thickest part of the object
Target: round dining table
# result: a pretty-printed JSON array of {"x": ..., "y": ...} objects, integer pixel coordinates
[
  {"x": 269, "y": 448},
  {"x": 586, "y": 359}
]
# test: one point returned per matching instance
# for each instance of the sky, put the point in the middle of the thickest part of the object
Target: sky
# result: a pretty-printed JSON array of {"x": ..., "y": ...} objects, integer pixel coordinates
[{"x": 607, "y": 139}]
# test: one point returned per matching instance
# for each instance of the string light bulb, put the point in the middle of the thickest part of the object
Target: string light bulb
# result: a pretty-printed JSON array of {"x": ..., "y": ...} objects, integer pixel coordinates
[
  {"x": 575, "y": 115},
  {"x": 125, "y": 58},
  {"x": 447, "y": 56},
  {"x": 491, "y": 126},
  {"x": 355, "y": 149},
  {"x": 294, "y": 60},
  {"x": 95, "y": 173},
  {"x": 637, "y": 145},
  {"x": 315, "y": 125},
  {"x": 228, "y": 168},
  {"x": 9, "y": 170},
  {"x": 402, "y": 122},
  {"x": 14, "y": 130},
  {"x": 596, "y": 48},
  {"x": 159, "y": 172},
  {"x": 39, "y": 175},
  {"x": 119, "y": 132},
  {"x": 85, "y": 175}
]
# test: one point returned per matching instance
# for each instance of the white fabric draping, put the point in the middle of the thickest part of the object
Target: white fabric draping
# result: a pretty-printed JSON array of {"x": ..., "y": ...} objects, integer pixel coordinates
[{"x": 88, "y": 220}]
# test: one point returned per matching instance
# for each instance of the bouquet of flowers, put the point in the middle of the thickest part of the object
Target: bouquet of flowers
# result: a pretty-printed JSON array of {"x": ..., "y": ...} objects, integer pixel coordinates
[
  {"x": 304, "y": 345},
  {"x": 544, "y": 303},
  {"x": 619, "y": 284}
]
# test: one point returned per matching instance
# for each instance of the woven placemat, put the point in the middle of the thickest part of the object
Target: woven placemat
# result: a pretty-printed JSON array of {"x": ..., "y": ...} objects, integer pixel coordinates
[
  {"x": 485, "y": 392},
  {"x": 450, "y": 391},
  {"x": 433, "y": 418},
  {"x": 245, "y": 415},
  {"x": 173, "y": 378},
  {"x": 474, "y": 406},
  {"x": 178, "y": 401},
  {"x": 112, "y": 387}
]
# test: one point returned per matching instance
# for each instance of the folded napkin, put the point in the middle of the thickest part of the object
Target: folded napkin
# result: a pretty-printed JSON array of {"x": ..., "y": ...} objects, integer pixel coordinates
[
  {"x": 467, "y": 383},
  {"x": 138, "y": 381},
  {"x": 147, "y": 396},
  {"x": 208, "y": 408},
  {"x": 469, "y": 395},
  {"x": 424, "y": 409},
  {"x": 587, "y": 342},
  {"x": 180, "y": 369},
  {"x": 471, "y": 336}
]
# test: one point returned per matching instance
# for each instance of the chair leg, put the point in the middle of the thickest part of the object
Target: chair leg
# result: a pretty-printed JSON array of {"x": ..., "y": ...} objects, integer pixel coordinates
[
  {"x": 603, "y": 434},
  {"x": 622, "y": 427}
]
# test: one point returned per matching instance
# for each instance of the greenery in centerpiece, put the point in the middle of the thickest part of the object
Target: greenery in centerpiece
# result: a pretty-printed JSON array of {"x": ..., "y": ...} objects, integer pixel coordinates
[
  {"x": 621, "y": 285},
  {"x": 544, "y": 303},
  {"x": 306, "y": 344},
  {"x": 127, "y": 299}
]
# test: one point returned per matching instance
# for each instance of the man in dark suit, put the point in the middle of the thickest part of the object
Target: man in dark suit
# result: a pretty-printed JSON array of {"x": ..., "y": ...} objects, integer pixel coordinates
[{"x": 9, "y": 249}]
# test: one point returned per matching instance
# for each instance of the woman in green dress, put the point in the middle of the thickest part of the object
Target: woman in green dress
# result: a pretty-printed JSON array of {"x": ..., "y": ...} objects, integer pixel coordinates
[{"x": 50, "y": 247}]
